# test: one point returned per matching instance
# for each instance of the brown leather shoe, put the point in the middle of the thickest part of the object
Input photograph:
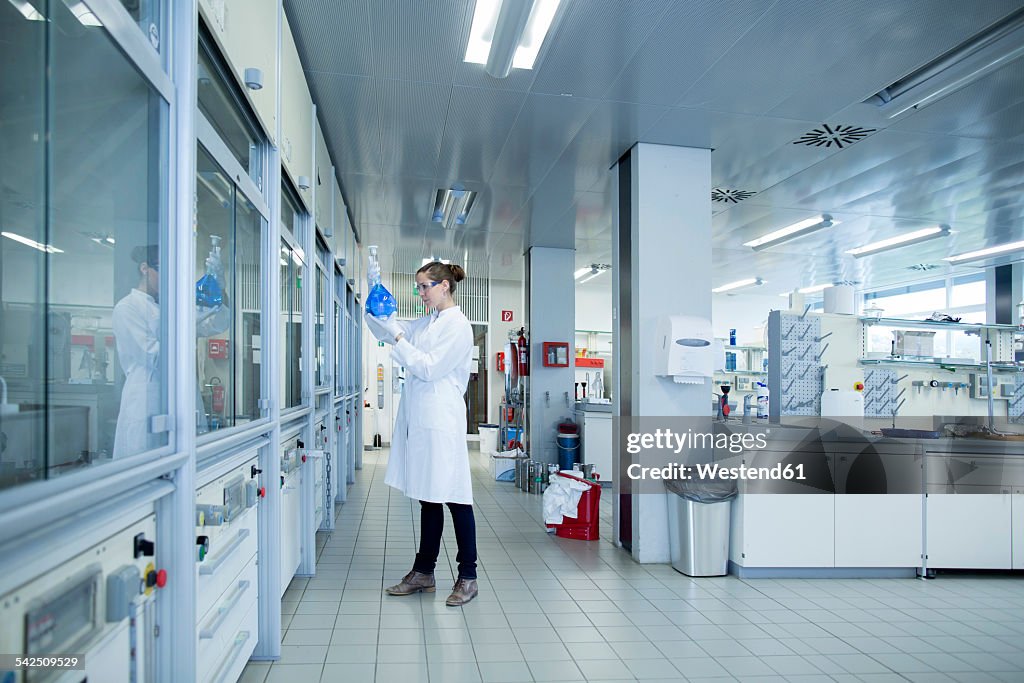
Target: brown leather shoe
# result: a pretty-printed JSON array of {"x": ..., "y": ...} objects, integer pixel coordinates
[
  {"x": 464, "y": 591},
  {"x": 413, "y": 582}
]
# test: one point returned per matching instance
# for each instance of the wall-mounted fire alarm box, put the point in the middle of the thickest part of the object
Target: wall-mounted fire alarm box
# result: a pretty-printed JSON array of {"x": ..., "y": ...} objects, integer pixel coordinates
[
  {"x": 500, "y": 367},
  {"x": 217, "y": 348},
  {"x": 556, "y": 354}
]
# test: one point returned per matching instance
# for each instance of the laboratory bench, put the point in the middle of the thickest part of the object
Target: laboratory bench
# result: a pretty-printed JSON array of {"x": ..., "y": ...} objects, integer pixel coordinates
[{"x": 870, "y": 505}]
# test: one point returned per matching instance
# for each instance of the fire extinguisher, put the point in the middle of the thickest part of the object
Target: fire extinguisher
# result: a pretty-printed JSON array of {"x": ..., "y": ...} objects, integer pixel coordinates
[
  {"x": 218, "y": 395},
  {"x": 524, "y": 353},
  {"x": 512, "y": 356}
]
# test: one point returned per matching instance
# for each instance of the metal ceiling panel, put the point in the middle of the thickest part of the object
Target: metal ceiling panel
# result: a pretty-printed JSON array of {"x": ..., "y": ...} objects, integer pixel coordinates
[
  {"x": 545, "y": 126},
  {"x": 893, "y": 40},
  {"x": 478, "y": 123},
  {"x": 349, "y": 112},
  {"x": 412, "y": 119},
  {"x": 332, "y": 35},
  {"x": 591, "y": 44},
  {"x": 687, "y": 41},
  {"x": 366, "y": 201},
  {"x": 778, "y": 56},
  {"x": 419, "y": 41}
]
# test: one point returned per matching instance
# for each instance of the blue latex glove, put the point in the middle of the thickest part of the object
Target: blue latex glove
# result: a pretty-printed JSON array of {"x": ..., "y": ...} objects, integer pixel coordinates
[{"x": 384, "y": 329}]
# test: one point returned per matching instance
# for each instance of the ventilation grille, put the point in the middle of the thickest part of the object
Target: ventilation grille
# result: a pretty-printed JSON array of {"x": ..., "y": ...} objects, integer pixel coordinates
[
  {"x": 727, "y": 196},
  {"x": 472, "y": 295},
  {"x": 833, "y": 136},
  {"x": 922, "y": 267}
]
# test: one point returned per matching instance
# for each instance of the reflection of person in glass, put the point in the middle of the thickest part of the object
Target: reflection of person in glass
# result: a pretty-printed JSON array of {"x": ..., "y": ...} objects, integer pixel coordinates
[
  {"x": 213, "y": 316},
  {"x": 136, "y": 321}
]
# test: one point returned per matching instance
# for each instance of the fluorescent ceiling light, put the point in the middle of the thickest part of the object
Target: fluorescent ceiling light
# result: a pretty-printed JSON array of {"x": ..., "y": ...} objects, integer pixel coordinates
[
  {"x": 82, "y": 13},
  {"x": 981, "y": 55},
  {"x": 581, "y": 272},
  {"x": 27, "y": 10},
  {"x": 900, "y": 241},
  {"x": 431, "y": 259},
  {"x": 752, "y": 281},
  {"x": 593, "y": 274},
  {"x": 47, "y": 248},
  {"x": 509, "y": 33},
  {"x": 790, "y": 232},
  {"x": 984, "y": 253},
  {"x": 452, "y": 206}
]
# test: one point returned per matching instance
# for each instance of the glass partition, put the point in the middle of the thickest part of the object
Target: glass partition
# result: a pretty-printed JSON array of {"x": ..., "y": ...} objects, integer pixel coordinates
[
  {"x": 228, "y": 293},
  {"x": 292, "y": 262},
  {"x": 82, "y": 322},
  {"x": 320, "y": 333}
]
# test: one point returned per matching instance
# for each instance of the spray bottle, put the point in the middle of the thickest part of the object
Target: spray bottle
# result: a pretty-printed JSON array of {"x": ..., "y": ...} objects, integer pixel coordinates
[
  {"x": 379, "y": 302},
  {"x": 209, "y": 292}
]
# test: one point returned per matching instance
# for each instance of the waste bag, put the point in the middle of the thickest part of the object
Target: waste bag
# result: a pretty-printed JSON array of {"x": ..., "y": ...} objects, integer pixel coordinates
[{"x": 698, "y": 522}]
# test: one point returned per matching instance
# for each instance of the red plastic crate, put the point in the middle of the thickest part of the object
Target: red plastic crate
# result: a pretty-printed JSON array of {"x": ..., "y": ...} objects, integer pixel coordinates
[{"x": 585, "y": 526}]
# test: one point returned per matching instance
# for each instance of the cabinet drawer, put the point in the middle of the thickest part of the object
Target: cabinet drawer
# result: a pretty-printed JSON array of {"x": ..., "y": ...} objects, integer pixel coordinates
[
  {"x": 220, "y": 626},
  {"x": 231, "y": 549}
]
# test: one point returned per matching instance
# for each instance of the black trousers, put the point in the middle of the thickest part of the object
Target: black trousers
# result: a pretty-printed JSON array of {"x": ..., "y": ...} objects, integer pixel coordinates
[{"x": 431, "y": 526}]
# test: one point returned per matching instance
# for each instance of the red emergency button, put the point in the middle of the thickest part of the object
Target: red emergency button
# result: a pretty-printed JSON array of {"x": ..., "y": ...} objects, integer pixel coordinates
[
  {"x": 303, "y": 458},
  {"x": 263, "y": 492},
  {"x": 161, "y": 578}
]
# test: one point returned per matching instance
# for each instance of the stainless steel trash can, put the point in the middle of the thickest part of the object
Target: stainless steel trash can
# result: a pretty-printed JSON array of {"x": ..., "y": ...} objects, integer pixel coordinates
[{"x": 698, "y": 521}]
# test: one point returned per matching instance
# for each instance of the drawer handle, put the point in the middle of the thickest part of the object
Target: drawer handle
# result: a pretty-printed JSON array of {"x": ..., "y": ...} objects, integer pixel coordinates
[
  {"x": 222, "y": 612},
  {"x": 225, "y": 666},
  {"x": 212, "y": 566}
]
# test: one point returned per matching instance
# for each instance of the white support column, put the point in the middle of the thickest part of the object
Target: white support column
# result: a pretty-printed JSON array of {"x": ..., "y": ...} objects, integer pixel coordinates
[
  {"x": 661, "y": 266},
  {"x": 552, "y": 318},
  {"x": 268, "y": 554},
  {"x": 177, "y": 643}
]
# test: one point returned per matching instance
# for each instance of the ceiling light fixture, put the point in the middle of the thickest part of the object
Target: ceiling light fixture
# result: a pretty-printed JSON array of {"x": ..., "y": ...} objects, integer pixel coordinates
[
  {"x": 814, "y": 289},
  {"x": 900, "y": 241},
  {"x": 509, "y": 33},
  {"x": 452, "y": 206},
  {"x": 27, "y": 10},
  {"x": 749, "y": 282},
  {"x": 992, "y": 49},
  {"x": 998, "y": 250},
  {"x": 790, "y": 232},
  {"x": 47, "y": 248}
]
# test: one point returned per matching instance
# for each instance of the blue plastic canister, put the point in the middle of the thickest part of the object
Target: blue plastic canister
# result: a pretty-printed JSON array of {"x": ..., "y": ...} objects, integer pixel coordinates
[{"x": 568, "y": 450}]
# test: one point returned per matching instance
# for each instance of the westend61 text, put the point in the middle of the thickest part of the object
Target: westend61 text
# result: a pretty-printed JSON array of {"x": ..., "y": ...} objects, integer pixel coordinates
[{"x": 714, "y": 471}]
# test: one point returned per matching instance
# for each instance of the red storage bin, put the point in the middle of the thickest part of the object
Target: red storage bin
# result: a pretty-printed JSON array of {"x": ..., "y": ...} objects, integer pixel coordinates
[{"x": 585, "y": 526}]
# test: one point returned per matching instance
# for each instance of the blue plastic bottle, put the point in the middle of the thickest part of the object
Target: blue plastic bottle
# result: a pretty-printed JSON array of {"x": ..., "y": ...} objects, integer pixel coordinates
[
  {"x": 208, "y": 290},
  {"x": 379, "y": 302}
]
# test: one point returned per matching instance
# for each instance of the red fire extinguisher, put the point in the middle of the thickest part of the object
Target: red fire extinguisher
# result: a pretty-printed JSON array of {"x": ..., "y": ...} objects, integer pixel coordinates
[
  {"x": 524, "y": 353},
  {"x": 218, "y": 395}
]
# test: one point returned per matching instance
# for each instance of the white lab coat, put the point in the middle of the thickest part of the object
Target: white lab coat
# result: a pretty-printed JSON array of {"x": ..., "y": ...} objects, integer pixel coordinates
[
  {"x": 429, "y": 458},
  {"x": 136, "y": 322}
]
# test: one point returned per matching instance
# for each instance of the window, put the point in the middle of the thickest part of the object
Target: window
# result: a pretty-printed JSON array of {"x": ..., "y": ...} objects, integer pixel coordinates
[
  {"x": 147, "y": 14},
  {"x": 82, "y": 322},
  {"x": 293, "y": 265},
  {"x": 228, "y": 296},
  {"x": 320, "y": 333}
]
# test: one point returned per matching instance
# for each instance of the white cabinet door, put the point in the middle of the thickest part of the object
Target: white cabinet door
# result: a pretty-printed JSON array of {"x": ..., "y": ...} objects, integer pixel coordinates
[
  {"x": 1017, "y": 528},
  {"x": 969, "y": 530},
  {"x": 878, "y": 530},
  {"x": 786, "y": 530}
]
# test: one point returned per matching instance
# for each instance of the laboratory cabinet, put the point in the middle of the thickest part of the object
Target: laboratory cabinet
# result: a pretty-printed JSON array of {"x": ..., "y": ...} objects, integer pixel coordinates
[
  {"x": 98, "y": 604},
  {"x": 244, "y": 29},
  {"x": 227, "y": 584},
  {"x": 969, "y": 531},
  {"x": 596, "y": 438},
  {"x": 794, "y": 530},
  {"x": 1017, "y": 527},
  {"x": 291, "y": 516},
  {"x": 296, "y": 116}
]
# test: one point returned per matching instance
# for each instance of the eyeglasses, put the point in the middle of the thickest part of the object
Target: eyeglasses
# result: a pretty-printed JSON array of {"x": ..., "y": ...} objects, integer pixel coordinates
[{"x": 426, "y": 285}]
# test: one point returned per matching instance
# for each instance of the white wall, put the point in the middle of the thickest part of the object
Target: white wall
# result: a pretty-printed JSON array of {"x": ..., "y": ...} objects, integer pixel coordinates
[
  {"x": 746, "y": 313},
  {"x": 594, "y": 306},
  {"x": 505, "y": 295}
]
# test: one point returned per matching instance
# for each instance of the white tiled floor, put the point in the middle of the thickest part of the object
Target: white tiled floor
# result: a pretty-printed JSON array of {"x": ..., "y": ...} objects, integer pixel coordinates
[{"x": 553, "y": 609}]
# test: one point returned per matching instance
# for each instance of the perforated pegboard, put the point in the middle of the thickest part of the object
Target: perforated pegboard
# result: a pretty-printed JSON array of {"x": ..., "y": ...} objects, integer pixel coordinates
[
  {"x": 799, "y": 365},
  {"x": 1015, "y": 406},
  {"x": 879, "y": 392}
]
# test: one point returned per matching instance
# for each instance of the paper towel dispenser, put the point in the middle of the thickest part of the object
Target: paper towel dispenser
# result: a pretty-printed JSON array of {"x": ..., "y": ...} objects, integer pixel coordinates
[{"x": 684, "y": 349}]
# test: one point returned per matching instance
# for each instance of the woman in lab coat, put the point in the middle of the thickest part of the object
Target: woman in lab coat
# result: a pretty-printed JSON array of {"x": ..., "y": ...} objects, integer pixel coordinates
[{"x": 429, "y": 459}]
